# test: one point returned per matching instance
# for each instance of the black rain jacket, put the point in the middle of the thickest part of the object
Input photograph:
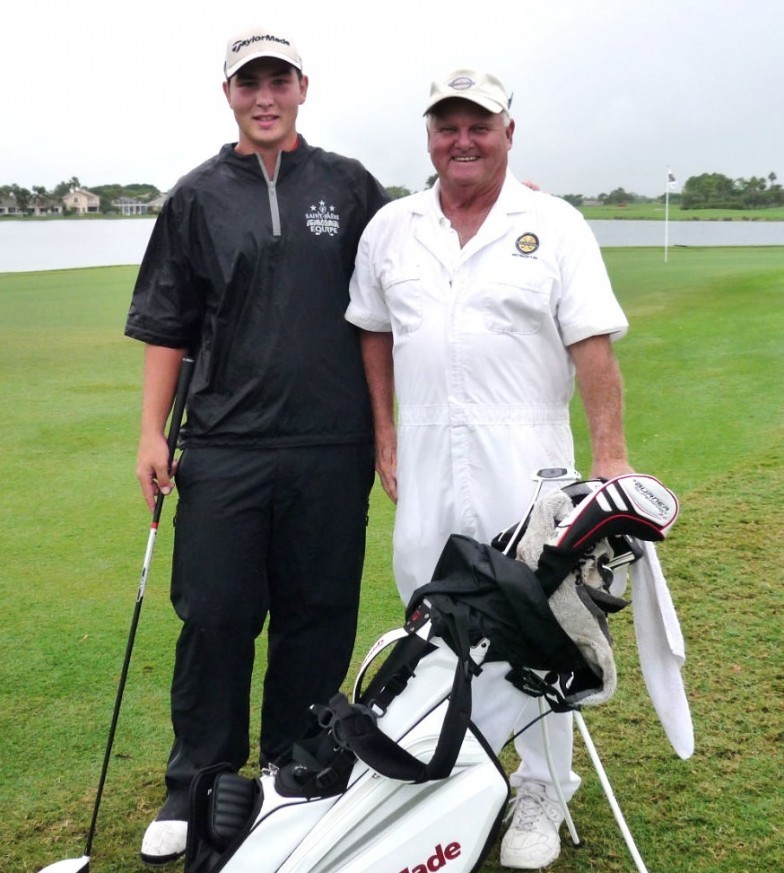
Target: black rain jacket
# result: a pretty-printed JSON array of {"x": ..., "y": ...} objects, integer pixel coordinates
[{"x": 251, "y": 275}]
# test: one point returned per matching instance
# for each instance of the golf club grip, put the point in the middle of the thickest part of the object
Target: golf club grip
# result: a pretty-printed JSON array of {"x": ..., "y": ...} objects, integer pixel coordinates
[{"x": 178, "y": 408}]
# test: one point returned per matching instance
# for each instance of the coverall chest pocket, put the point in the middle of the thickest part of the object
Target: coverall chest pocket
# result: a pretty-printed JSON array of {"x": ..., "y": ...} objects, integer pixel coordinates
[
  {"x": 404, "y": 295},
  {"x": 514, "y": 308}
]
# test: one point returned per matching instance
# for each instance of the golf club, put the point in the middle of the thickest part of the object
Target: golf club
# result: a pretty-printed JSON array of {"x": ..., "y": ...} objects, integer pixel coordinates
[
  {"x": 547, "y": 474},
  {"x": 82, "y": 865}
]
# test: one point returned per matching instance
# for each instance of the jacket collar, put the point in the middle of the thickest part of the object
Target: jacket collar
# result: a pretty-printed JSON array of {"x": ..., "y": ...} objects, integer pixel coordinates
[{"x": 250, "y": 163}]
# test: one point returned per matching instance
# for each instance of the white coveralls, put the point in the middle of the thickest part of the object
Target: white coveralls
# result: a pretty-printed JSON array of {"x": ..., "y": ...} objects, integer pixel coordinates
[{"x": 483, "y": 382}]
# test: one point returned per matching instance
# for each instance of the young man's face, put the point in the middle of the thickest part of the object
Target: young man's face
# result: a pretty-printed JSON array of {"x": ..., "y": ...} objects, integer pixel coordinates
[
  {"x": 469, "y": 146},
  {"x": 265, "y": 96}
]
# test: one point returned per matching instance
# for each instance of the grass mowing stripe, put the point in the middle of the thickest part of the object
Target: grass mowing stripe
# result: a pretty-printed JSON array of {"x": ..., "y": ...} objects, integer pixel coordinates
[{"x": 702, "y": 365}]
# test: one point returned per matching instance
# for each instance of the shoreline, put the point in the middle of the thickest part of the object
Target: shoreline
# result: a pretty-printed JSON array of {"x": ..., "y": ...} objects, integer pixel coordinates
[{"x": 641, "y": 212}]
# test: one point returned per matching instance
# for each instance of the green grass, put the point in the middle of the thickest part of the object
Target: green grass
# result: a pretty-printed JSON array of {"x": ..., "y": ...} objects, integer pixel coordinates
[
  {"x": 703, "y": 367},
  {"x": 655, "y": 212}
]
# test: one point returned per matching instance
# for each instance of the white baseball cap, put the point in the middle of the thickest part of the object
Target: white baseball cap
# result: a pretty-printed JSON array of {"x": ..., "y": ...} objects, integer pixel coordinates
[
  {"x": 259, "y": 42},
  {"x": 483, "y": 89}
]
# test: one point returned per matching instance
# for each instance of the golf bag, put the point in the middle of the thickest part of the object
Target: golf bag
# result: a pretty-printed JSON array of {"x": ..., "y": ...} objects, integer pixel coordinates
[{"x": 402, "y": 779}]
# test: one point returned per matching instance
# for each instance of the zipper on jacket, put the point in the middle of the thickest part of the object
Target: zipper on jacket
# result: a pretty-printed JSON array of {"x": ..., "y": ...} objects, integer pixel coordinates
[{"x": 272, "y": 191}]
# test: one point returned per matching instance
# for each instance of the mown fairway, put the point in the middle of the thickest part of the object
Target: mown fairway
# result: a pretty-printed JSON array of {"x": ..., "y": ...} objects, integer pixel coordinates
[{"x": 703, "y": 365}]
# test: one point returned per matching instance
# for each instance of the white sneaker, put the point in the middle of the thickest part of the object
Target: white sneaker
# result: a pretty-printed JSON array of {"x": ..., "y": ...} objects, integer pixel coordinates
[
  {"x": 532, "y": 839},
  {"x": 164, "y": 841}
]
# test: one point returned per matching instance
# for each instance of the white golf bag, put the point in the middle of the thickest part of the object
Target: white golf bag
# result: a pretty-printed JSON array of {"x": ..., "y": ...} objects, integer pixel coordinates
[{"x": 401, "y": 780}]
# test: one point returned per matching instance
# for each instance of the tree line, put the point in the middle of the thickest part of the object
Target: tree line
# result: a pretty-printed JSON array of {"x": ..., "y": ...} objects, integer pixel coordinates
[
  {"x": 716, "y": 191},
  {"x": 706, "y": 191}
]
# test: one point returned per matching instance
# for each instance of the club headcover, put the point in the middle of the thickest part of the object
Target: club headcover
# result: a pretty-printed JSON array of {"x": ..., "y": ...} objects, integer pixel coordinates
[{"x": 633, "y": 504}]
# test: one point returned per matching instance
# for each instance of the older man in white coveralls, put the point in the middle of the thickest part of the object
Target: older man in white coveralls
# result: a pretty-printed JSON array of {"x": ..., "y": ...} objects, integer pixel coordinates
[{"x": 479, "y": 301}]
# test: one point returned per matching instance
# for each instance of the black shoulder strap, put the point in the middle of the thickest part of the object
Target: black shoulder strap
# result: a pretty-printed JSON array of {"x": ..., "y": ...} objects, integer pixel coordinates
[{"x": 354, "y": 726}]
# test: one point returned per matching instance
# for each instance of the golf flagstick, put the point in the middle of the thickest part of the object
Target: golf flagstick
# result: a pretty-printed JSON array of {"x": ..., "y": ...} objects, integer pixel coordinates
[{"x": 82, "y": 865}]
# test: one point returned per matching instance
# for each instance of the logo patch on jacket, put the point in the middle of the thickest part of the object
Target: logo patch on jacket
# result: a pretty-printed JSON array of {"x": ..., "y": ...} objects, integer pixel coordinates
[
  {"x": 322, "y": 219},
  {"x": 528, "y": 243}
]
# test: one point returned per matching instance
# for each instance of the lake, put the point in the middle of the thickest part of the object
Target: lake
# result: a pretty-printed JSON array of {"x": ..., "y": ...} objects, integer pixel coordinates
[{"x": 62, "y": 244}]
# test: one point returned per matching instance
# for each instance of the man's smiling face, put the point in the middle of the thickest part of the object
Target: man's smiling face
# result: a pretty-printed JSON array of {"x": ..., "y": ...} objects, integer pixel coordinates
[
  {"x": 468, "y": 145},
  {"x": 265, "y": 96}
]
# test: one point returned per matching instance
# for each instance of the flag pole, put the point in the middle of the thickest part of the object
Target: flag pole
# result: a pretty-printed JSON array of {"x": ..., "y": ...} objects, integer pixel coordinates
[
  {"x": 668, "y": 186},
  {"x": 667, "y": 214}
]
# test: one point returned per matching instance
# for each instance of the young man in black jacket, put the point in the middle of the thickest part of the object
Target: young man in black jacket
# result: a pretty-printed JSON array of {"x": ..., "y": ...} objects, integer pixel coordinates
[{"x": 248, "y": 269}]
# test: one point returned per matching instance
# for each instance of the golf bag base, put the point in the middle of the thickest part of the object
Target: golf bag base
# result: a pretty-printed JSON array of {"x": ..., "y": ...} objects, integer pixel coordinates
[{"x": 365, "y": 823}]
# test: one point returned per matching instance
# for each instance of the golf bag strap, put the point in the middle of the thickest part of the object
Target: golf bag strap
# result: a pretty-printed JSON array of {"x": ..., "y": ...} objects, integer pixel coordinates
[
  {"x": 393, "y": 675},
  {"x": 324, "y": 779},
  {"x": 354, "y": 726},
  {"x": 379, "y": 646},
  {"x": 411, "y": 644}
]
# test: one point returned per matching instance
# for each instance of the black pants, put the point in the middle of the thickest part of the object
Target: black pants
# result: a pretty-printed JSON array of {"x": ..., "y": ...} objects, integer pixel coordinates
[{"x": 272, "y": 532}]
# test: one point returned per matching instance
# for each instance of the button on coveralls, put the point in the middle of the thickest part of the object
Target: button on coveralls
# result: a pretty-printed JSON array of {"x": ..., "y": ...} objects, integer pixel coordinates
[{"x": 483, "y": 381}]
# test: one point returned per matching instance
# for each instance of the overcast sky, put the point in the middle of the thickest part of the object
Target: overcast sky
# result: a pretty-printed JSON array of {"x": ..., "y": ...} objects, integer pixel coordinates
[{"x": 607, "y": 93}]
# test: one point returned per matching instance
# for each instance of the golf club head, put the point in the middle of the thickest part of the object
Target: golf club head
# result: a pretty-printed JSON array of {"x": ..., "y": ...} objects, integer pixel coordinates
[
  {"x": 507, "y": 541},
  {"x": 633, "y": 504},
  {"x": 555, "y": 474},
  {"x": 69, "y": 865}
]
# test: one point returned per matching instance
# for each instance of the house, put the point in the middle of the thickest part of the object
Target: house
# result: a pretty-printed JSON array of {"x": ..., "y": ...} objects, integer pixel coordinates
[
  {"x": 8, "y": 205},
  {"x": 44, "y": 204},
  {"x": 82, "y": 201},
  {"x": 128, "y": 206}
]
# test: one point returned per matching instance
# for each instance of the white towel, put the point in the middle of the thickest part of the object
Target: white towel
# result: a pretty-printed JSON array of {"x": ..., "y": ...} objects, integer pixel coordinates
[
  {"x": 577, "y": 620},
  {"x": 661, "y": 649}
]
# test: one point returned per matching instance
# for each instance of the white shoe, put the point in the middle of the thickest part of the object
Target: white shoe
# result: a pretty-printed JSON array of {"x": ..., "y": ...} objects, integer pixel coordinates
[
  {"x": 532, "y": 839},
  {"x": 164, "y": 841}
]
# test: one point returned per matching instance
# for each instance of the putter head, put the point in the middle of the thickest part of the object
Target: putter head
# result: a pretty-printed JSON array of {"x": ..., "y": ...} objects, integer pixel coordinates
[
  {"x": 69, "y": 865},
  {"x": 632, "y": 505}
]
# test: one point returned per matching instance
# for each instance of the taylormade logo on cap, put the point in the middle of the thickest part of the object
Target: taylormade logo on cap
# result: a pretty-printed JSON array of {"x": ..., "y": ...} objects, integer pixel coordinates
[
  {"x": 259, "y": 43},
  {"x": 483, "y": 89}
]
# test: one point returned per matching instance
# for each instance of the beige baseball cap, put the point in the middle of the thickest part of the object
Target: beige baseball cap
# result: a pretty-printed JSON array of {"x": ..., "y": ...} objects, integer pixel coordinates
[
  {"x": 259, "y": 42},
  {"x": 483, "y": 89}
]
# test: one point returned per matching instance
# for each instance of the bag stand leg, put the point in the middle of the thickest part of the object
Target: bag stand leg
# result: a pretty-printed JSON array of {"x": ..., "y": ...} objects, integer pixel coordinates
[
  {"x": 544, "y": 712},
  {"x": 627, "y": 835},
  {"x": 605, "y": 782}
]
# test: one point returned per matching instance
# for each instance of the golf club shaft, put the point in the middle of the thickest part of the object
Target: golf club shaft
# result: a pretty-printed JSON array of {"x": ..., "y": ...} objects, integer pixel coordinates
[
  {"x": 186, "y": 370},
  {"x": 548, "y": 474},
  {"x": 524, "y": 520}
]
